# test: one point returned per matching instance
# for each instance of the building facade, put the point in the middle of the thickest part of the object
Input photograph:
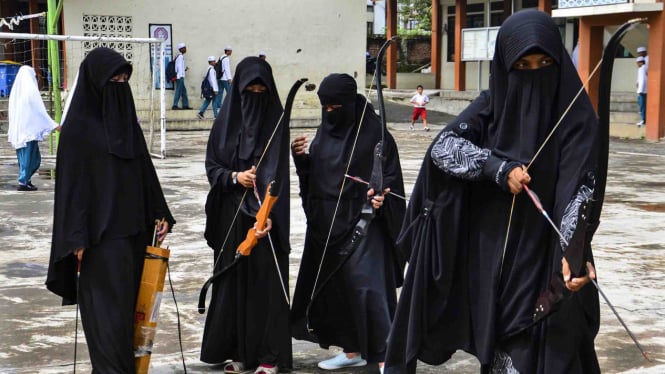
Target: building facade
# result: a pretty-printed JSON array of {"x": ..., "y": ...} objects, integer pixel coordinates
[{"x": 587, "y": 24}]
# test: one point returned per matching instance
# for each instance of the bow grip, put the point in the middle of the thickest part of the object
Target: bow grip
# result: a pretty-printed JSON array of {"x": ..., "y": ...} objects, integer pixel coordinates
[
  {"x": 245, "y": 248},
  {"x": 376, "y": 177}
]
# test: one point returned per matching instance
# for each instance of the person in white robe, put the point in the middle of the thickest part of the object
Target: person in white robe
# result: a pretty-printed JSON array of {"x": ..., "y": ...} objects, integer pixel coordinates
[{"x": 29, "y": 123}]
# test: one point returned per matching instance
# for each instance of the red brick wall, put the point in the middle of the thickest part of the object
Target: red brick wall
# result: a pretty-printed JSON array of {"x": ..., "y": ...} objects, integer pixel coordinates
[{"x": 412, "y": 51}]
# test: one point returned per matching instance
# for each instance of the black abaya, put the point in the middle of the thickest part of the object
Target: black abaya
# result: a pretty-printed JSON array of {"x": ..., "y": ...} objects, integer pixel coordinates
[
  {"x": 107, "y": 197},
  {"x": 355, "y": 298},
  {"x": 247, "y": 320},
  {"x": 461, "y": 290}
]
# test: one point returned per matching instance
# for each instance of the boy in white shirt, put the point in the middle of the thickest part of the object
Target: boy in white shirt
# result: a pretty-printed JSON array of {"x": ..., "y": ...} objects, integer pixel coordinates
[{"x": 419, "y": 100}]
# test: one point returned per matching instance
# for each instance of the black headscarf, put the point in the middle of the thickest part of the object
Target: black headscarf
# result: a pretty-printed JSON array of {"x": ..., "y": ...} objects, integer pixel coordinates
[
  {"x": 106, "y": 185},
  {"x": 238, "y": 139},
  {"x": 95, "y": 94},
  {"x": 525, "y": 104}
]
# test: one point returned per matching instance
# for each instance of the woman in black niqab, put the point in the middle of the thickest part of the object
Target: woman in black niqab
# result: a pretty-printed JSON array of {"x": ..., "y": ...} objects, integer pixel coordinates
[
  {"x": 107, "y": 198},
  {"x": 347, "y": 298},
  {"x": 462, "y": 291},
  {"x": 247, "y": 320}
]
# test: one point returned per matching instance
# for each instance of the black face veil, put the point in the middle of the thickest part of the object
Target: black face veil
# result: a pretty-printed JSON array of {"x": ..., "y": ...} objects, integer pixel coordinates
[
  {"x": 95, "y": 94},
  {"x": 526, "y": 103}
]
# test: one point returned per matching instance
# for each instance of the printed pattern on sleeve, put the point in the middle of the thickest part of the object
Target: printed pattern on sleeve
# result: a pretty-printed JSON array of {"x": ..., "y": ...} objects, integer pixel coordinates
[
  {"x": 458, "y": 156},
  {"x": 570, "y": 214},
  {"x": 502, "y": 364}
]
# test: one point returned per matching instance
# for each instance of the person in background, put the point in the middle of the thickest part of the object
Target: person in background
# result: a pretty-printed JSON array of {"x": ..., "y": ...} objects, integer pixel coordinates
[
  {"x": 29, "y": 123},
  {"x": 212, "y": 79},
  {"x": 642, "y": 52},
  {"x": 419, "y": 101},
  {"x": 641, "y": 85},
  {"x": 180, "y": 88},
  {"x": 225, "y": 76},
  {"x": 107, "y": 198},
  {"x": 262, "y": 55}
]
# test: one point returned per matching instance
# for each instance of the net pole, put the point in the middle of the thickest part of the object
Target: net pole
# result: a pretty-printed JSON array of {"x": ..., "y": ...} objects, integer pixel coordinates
[
  {"x": 76, "y": 38},
  {"x": 153, "y": 80},
  {"x": 162, "y": 97},
  {"x": 54, "y": 65}
]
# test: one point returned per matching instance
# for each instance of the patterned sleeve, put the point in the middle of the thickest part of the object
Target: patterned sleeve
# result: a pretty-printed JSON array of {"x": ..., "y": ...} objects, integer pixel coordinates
[
  {"x": 570, "y": 214},
  {"x": 459, "y": 157}
]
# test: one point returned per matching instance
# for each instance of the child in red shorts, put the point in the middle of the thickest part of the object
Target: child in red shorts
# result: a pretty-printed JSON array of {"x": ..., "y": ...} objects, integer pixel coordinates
[{"x": 419, "y": 100}]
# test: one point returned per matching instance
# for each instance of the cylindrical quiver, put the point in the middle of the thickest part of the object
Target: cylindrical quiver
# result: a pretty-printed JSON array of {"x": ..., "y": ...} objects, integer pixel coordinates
[{"x": 147, "y": 305}]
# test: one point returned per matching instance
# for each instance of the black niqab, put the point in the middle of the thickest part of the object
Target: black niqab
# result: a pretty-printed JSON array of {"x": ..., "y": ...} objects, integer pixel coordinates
[
  {"x": 106, "y": 186},
  {"x": 96, "y": 94},
  {"x": 238, "y": 140}
]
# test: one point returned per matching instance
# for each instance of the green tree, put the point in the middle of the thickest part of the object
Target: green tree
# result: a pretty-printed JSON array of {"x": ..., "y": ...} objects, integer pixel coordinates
[{"x": 416, "y": 14}]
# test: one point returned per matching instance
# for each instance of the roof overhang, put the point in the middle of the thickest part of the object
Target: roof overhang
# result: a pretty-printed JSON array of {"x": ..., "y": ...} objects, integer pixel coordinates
[{"x": 607, "y": 9}]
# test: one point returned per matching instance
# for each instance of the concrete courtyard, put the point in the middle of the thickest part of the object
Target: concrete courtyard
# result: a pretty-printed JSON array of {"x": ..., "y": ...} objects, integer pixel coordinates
[{"x": 38, "y": 334}]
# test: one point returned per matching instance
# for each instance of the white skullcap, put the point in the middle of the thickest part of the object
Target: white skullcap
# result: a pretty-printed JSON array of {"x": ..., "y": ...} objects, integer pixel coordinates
[
  {"x": 212, "y": 58},
  {"x": 181, "y": 46},
  {"x": 641, "y": 49},
  {"x": 262, "y": 53},
  {"x": 228, "y": 48},
  {"x": 640, "y": 59}
]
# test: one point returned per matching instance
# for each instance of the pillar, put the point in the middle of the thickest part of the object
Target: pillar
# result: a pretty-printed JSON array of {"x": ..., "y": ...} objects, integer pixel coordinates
[
  {"x": 436, "y": 42},
  {"x": 391, "y": 54},
  {"x": 655, "y": 124},
  {"x": 460, "y": 66},
  {"x": 590, "y": 53}
]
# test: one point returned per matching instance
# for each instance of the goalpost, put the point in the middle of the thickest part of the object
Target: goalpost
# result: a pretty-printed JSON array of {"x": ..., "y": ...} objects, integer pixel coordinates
[{"x": 147, "y": 56}]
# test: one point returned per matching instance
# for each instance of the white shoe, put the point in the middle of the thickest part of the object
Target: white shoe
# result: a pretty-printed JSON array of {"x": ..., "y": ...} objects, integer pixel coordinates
[
  {"x": 341, "y": 361},
  {"x": 640, "y": 123},
  {"x": 411, "y": 127}
]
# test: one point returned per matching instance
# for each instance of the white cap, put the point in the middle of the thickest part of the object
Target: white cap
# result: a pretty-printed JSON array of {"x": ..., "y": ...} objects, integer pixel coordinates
[
  {"x": 639, "y": 59},
  {"x": 181, "y": 46},
  {"x": 212, "y": 58},
  {"x": 228, "y": 48},
  {"x": 641, "y": 49},
  {"x": 262, "y": 53}
]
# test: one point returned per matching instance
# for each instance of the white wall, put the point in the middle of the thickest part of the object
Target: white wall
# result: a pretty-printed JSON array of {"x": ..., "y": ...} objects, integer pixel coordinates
[{"x": 330, "y": 35}]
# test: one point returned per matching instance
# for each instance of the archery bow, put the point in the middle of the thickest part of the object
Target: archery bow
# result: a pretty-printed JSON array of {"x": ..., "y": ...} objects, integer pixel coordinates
[
  {"x": 583, "y": 208},
  {"x": 376, "y": 180},
  {"x": 285, "y": 114},
  {"x": 245, "y": 247},
  {"x": 590, "y": 213},
  {"x": 360, "y": 180}
]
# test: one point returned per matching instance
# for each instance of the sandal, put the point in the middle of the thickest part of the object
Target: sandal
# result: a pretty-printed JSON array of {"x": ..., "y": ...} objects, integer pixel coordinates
[
  {"x": 234, "y": 367},
  {"x": 266, "y": 370}
]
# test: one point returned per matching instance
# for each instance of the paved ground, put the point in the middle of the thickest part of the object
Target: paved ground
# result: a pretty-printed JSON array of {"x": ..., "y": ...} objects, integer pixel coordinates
[{"x": 38, "y": 334}]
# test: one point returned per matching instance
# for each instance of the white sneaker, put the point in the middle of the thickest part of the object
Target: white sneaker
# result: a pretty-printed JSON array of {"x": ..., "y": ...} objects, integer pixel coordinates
[
  {"x": 341, "y": 361},
  {"x": 640, "y": 123},
  {"x": 411, "y": 127}
]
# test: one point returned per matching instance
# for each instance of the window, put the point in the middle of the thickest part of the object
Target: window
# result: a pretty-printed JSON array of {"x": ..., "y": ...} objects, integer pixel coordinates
[
  {"x": 475, "y": 17},
  {"x": 109, "y": 26}
]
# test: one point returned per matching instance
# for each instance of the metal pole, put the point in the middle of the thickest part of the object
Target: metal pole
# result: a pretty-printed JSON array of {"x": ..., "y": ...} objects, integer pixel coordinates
[
  {"x": 16, "y": 35},
  {"x": 162, "y": 97},
  {"x": 53, "y": 56},
  {"x": 52, "y": 17}
]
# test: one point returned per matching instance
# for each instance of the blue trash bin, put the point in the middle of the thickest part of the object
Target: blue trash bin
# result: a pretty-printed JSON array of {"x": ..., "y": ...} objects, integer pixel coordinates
[{"x": 8, "y": 71}]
